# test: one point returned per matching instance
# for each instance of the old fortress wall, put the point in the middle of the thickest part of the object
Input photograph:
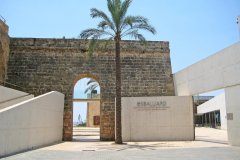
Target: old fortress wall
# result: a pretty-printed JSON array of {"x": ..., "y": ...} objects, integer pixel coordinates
[
  {"x": 42, "y": 65},
  {"x": 4, "y": 50}
]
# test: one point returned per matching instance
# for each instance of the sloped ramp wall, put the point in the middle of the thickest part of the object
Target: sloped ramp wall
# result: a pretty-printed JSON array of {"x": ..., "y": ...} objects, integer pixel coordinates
[
  {"x": 31, "y": 124},
  {"x": 9, "y": 97},
  {"x": 7, "y": 94},
  {"x": 15, "y": 101}
]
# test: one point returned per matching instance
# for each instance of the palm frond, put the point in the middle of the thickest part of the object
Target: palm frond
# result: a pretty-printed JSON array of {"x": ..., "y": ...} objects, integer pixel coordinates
[
  {"x": 140, "y": 37},
  {"x": 136, "y": 35},
  {"x": 136, "y": 23},
  {"x": 85, "y": 34},
  {"x": 93, "y": 43},
  {"x": 124, "y": 8},
  {"x": 91, "y": 81},
  {"x": 104, "y": 25},
  {"x": 92, "y": 84},
  {"x": 92, "y": 32},
  {"x": 116, "y": 23},
  {"x": 145, "y": 27},
  {"x": 137, "y": 19},
  {"x": 91, "y": 88},
  {"x": 114, "y": 7},
  {"x": 100, "y": 14},
  {"x": 134, "y": 20}
]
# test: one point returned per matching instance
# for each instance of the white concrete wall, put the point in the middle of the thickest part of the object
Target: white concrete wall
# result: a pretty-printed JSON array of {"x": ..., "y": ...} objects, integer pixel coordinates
[
  {"x": 217, "y": 103},
  {"x": 215, "y": 72},
  {"x": 149, "y": 122},
  {"x": 7, "y": 94},
  {"x": 31, "y": 124},
  {"x": 221, "y": 70},
  {"x": 233, "y": 107}
]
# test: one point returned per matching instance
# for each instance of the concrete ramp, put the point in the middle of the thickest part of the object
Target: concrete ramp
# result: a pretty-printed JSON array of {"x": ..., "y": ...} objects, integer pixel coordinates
[{"x": 31, "y": 124}]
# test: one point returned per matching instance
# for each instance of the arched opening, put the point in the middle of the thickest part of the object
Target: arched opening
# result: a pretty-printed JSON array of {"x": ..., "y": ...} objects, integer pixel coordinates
[{"x": 86, "y": 109}]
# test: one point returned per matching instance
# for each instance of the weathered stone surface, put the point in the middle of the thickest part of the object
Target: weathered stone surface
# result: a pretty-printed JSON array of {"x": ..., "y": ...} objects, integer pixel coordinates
[
  {"x": 93, "y": 109},
  {"x": 42, "y": 65},
  {"x": 4, "y": 50}
]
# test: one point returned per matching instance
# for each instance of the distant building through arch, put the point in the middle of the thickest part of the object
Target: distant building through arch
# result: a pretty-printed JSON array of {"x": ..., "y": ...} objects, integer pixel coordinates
[{"x": 86, "y": 109}]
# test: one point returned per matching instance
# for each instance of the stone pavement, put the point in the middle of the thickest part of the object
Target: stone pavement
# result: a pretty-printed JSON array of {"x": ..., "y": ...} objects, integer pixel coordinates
[
  {"x": 86, "y": 134},
  {"x": 211, "y": 135},
  {"x": 201, "y": 149},
  {"x": 86, "y": 131}
]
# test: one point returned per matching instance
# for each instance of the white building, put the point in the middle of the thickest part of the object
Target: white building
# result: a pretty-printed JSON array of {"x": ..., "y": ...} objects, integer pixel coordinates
[{"x": 213, "y": 113}]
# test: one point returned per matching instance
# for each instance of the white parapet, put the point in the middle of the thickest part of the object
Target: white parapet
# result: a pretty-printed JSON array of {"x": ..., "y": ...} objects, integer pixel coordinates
[
  {"x": 31, "y": 124},
  {"x": 217, "y": 71},
  {"x": 157, "y": 118}
]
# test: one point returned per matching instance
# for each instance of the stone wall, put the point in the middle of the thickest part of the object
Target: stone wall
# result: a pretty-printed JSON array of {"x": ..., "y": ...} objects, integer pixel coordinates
[
  {"x": 42, "y": 65},
  {"x": 4, "y": 50},
  {"x": 93, "y": 109}
]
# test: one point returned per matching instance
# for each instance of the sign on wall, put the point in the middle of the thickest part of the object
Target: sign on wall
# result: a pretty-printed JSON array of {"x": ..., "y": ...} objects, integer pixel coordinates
[{"x": 157, "y": 118}]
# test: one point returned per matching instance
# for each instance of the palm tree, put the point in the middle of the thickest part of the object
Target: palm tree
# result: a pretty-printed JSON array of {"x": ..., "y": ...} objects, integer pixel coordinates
[
  {"x": 115, "y": 27},
  {"x": 92, "y": 85}
]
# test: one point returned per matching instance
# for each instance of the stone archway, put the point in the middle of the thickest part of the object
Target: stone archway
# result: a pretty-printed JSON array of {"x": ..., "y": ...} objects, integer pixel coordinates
[
  {"x": 106, "y": 110},
  {"x": 43, "y": 65},
  {"x": 93, "y": 107}
]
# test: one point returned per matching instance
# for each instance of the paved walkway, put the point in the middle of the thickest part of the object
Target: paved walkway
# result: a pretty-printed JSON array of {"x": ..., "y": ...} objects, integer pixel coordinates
[
  {"x": 204, "y": 148},
  {"x": 211, "y": 135},
  {"x": 86, "y": 134}
]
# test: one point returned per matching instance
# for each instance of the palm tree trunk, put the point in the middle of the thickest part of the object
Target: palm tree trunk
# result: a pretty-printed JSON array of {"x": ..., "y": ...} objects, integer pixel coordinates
[{"x": 118, "y": 138}]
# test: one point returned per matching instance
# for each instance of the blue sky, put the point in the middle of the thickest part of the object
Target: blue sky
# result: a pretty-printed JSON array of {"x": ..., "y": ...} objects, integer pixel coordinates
[
  {"x": 79, "y": 108},
  {"x": 80, "y": 87},
  {"x": 194, "y": 28}
]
